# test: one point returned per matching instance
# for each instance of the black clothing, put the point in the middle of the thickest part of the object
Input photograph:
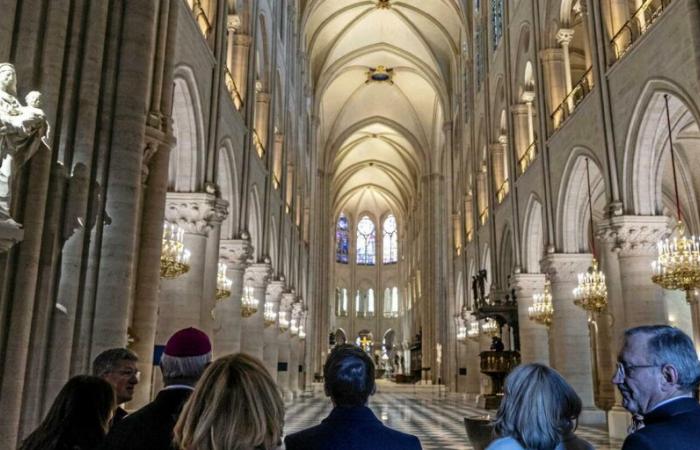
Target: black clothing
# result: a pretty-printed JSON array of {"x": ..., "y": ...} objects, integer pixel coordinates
[{"x": 675, "y": 425}]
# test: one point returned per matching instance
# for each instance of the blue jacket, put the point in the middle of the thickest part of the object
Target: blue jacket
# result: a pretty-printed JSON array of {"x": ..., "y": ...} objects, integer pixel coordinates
[
  {"x": 351, "y": 429},
  {"x": 675, "y": 425}
]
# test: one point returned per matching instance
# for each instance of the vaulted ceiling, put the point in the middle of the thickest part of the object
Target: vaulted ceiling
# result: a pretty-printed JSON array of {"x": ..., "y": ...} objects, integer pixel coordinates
[{"x": 378, "y": 136}]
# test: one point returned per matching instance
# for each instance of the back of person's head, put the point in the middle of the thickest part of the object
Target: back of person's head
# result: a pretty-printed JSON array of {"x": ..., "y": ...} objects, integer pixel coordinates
[
  {"x": 79, "y": 416},
  {"x": 109, "y": 360},
  {"x": 539, "y": 407},
  {"x": 235, "y": 406},
  {"x": 668, "y": 345},
  {"x": 187, "y": 354},
  {"x": 349, "y": 376}
]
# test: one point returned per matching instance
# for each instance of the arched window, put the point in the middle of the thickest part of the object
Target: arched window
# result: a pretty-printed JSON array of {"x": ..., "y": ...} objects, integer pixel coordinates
[
  {"x": 366, "y": 236},
  {"x": 370, "y": 303},
  {"x": 342, "y": 239},
  {"x": 391, "y": 302},
  {"x": 342, "y": 302},
  {"x": 358, "y": 304},
  {"x": 496, "y": 22},
  {"x": 390, "y": 248},
  {"x": 395, "y": 300}
]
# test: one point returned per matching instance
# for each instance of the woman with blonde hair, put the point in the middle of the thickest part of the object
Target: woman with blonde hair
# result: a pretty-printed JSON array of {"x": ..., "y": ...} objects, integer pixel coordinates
[
  {"x": 235, "y": 406},
  {"x": 538, "y": 412}
]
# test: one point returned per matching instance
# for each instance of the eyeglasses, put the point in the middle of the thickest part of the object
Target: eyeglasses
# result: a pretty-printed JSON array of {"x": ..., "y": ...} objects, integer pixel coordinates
[
  {"x": 623, "y": 369},
  {"x": 128, "y": 373}
]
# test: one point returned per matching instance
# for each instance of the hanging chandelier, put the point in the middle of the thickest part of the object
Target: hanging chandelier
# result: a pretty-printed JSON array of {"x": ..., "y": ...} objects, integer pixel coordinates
[
  {"x": 491, "y": 328},
  {"x": 461, "y": 334},
  {"x": 302, "y": 329},
  {"x": 223, "y": 283},
  {"x": 294, "y": 326},
  {"x": 591, "y": 293},
  {"x": 677, "y": 266},
  {"x": 474, "y": 331},
  {"x": 283, "y": 321},
  {"x": 542, "y": 310},
  {"x": 249, "y": 304},
  {"x": 174, "y": 257},
  {"x": 269, "y": 315}
]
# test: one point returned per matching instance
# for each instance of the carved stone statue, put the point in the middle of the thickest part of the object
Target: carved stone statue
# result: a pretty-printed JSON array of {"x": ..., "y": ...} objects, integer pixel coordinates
[
  {"x": 23, "y": 130},
  {"x": 482, "y": 283},
  {"x": 475, "y": 290}
]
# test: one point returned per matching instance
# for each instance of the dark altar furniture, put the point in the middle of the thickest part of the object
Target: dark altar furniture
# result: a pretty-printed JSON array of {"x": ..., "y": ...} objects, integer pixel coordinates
[{"x": 497, "y": 366}]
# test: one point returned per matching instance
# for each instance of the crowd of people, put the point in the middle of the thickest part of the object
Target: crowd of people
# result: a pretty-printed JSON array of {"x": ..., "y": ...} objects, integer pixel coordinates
[{"x": 233, "y": 403}]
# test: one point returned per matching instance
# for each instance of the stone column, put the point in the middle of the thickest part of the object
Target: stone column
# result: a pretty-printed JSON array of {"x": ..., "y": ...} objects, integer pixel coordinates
[
  {"x": 473, "y": 364},
  {"x": 239, "y": 66},
  {"x": 256, "y": 276},
  {"x": 211, "y": 268},
  {"x": 534, "y": 338},
  {"x": 227, "y": 313},
  {"x": 499, "y": 174},
  {"x": 293, "y": 386},
  {"x": 521, "y": 123},
  {"x": 262, "y": 117},
  {"x": 528, "y": 98},
  {"x": 271, "y": 346},
  {"x": 564, "y": 37},
  {"x": 181, "y": 298},
  {"x": 553, "y": 68},
  {"x": 284, "y": 340},
  {"x": 570, "y": 351}
]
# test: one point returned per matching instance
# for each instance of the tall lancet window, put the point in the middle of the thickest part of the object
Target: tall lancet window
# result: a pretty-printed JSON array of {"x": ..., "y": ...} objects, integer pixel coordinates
[
  {"x": 366, "y": 237},
  {"x": 370, "y": 303},
  {"x": 342, "y": 239},
  {"x": 390, "y": 247},
  {"x": 342, "y": 302}
]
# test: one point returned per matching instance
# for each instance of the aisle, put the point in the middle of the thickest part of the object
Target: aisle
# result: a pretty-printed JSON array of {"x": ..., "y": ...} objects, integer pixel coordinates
[{"x": 436, "y": 420}]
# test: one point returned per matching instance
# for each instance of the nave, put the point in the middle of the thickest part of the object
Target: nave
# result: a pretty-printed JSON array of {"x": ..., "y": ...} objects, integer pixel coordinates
[{"x": 430, "y": 413}]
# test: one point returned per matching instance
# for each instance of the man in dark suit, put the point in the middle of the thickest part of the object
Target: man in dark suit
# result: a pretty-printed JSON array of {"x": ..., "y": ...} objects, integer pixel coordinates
[
  {"x": 186, "y": 355},
  {"x": 351, "y": 425},
  {"x": 657, "y": 373},
  {"x": 117, "y": 366}
]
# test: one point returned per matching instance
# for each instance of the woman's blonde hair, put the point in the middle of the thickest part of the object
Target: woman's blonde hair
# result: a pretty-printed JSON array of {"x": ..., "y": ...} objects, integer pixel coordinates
[
  {"x": 539, "y": 407},
  {"x": 235, "y": 406}
]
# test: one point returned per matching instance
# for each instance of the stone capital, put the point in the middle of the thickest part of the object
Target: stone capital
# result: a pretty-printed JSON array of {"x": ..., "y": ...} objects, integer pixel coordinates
[
  {"x": 525, "y": 284},
  {"x": 288, "y": 299},
  {"x": 195, "y": 212},
  {"x": 528, "y": 97},
  {"x": 257, "y": 274},
  {"x": 634, "y": 235},
  {"x": 274, "y": 292},
  {"x": 235, "y": 252},
  {"x": 564, "y": 36},
  {"x": 565, "y": 267},
  {"x": 233, "y": 22},
  {"x": 262, "y": 97}
]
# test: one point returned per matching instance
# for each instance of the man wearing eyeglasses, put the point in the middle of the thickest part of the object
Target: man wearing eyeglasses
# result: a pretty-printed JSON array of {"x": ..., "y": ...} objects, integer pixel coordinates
[
  {"x": 117, "y": 366},
  {"x": 657, "y": 372}
]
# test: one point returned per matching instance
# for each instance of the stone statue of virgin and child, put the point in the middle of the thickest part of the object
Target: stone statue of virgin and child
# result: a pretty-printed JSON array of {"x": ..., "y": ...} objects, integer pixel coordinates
[{"x": 23, "y": 131}]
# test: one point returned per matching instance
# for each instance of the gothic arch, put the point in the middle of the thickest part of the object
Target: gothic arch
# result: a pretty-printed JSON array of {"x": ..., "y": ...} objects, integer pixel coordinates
[
  {"x": 533, "y": 235},
  {"x": 227, "y": 179},
  {"x": 255, "y": 222}
]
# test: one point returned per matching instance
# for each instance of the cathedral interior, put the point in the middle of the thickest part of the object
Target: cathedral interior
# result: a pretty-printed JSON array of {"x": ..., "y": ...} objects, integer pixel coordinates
[{"x": 415, "y": 177}]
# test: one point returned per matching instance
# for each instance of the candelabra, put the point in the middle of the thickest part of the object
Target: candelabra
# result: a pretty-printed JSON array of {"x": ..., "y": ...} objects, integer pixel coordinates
[
  {"x": 542, "y": 310},
  {"x": 474, "y": 331},
  {"x": 461, "y": 333},
  {"x": 223, "y": 283},
  {"x": 249, "y": 304},
  {"x": 270, "y": 316},
  {"x": 591, "y": 293},
  {"x": 283, "y": 321},
  {"x": 491, "y": 328},
  {"x": 294, "y": 326},
  {"x": 174, "y": 257},
  {"x": 677, "y": 265}
]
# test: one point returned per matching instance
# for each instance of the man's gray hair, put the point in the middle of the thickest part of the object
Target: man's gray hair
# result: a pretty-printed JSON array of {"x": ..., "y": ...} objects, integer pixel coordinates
[
  {"x": 185, "y": 370},
  {"x": 106, "y": 361},
  {"x": 670, "y": 346}
]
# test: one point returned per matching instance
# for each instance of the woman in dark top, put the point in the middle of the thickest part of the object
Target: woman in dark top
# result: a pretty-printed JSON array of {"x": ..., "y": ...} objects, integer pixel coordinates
[{"x": 78, "y": 419}]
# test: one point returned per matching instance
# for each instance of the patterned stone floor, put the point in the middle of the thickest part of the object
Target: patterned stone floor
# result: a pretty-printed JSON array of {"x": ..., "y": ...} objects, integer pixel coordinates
[{"x": 436, "y": 419}]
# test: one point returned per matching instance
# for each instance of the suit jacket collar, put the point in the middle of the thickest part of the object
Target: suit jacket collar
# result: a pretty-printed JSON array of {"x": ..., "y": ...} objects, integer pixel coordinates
[
  {"x": 351, "y": 414},
  {"x": 674, "y": 408},
  {"x": 172, "y": 398}
]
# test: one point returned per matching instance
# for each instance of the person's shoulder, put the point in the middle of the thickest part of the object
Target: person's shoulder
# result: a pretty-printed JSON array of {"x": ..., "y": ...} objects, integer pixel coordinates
[
  {"x": 505, "y": 443},
  {"x": 304, "y": 438},
  {"x": 408, "y": 440},
  {"x": 639, "y": 441}
]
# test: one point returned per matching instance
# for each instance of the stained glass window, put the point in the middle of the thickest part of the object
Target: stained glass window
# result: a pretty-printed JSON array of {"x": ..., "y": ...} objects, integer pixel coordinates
[
  {"x": 496, "y": 22},
  {"x": 478, "y": 57},
  {"x": 342, "y": 239},
  {"x": 390, "y": 247},
  {"x": 366, "y": 237}
]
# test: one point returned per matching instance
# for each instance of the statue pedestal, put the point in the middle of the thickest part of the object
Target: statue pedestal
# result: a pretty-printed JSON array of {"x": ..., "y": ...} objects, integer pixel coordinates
[{"x": 10, "y": 234}]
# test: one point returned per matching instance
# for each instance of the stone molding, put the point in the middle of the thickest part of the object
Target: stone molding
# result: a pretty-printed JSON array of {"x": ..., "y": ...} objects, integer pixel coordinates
[
  {"x": 288, "y": 299},
  {"x": 242, "y": 39},
  {"x": 565, "y": 267},
  {"x": 196, "y": 212},
  {"x": 528, "y": 283},
  {"x": 258, "y": 274},
  {"x": 274, "y": 291},
  {"x": 634, "y": 235},
  {"x": 235, "y": 252}
]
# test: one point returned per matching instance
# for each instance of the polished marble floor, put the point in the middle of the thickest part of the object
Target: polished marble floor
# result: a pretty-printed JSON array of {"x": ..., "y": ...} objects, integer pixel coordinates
[{"x": 435, "y": 417}]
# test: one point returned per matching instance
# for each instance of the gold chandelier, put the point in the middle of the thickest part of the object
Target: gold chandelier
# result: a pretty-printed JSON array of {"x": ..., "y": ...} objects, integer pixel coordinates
[
  {"x": 269, "y": 315},
  {"x": 223, "y": 283},
  {"x": 174, "y": 257},
  {"x": 677, "y": 266},
  {"x": 491, "y": 328},
  {"x": 591, "y": 293},
  {"x": 474, "y": 331},
  {"x": 294, "y": 326},
  {"x": 249, "y": 304},
  {"x": 461, "y": 329},
  {"x": 542, "y": 310},
  {"x": 283, "y": 321}
]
